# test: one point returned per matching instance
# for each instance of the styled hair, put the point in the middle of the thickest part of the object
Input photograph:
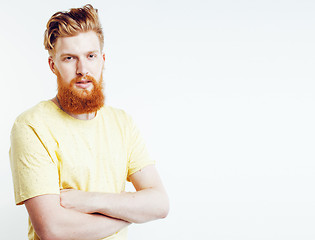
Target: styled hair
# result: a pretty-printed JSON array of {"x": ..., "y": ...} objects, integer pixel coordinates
[{"x": 71, "y": 23}]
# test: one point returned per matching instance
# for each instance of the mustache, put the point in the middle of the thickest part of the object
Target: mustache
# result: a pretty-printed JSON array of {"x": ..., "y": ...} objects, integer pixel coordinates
[{"x": 85, "y": 78}]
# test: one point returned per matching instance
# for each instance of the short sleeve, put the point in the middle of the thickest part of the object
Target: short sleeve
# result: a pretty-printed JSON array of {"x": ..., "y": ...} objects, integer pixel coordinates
[
  {"x": 33, "y": 170},
  {"x": 138, "y": 153}
]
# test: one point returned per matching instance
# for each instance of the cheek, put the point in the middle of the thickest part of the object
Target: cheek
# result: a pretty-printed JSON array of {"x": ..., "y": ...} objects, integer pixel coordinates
[
  {"x": 67, "y": 73},
  {"x": 98, "y": 71}
]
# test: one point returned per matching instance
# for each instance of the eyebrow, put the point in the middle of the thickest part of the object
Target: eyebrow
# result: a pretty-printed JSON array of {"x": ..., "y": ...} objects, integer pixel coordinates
[{"x": 71, "y": 54}]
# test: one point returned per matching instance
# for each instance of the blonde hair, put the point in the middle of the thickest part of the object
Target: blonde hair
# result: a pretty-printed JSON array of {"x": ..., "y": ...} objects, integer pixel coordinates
[{"x": 71, "y": 23}]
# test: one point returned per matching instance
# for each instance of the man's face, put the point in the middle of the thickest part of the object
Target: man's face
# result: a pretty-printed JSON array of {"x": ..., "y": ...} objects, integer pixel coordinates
[{"x": 77, "y": 61}]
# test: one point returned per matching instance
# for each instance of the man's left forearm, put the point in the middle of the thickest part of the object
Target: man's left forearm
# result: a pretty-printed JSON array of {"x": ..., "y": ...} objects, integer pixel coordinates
[{"x": 136, "y": 207}]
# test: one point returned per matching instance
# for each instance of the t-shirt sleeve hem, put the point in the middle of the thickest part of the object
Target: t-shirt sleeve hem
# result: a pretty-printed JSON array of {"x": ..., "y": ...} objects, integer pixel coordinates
[
  {"x": 22, "y": 199},
  {"x": 139, "y": 168}
]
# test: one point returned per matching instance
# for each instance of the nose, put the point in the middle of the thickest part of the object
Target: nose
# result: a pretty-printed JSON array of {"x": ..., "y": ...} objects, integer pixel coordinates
[{"x": 81, "y": 67}]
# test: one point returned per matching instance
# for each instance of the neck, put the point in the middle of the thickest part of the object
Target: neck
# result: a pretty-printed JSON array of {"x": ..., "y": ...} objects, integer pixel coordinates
[{"x": 84, "y": 116}]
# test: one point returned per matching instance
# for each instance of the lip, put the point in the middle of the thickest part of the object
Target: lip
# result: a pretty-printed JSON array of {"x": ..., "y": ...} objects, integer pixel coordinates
[{"x": 84, "y": 84}]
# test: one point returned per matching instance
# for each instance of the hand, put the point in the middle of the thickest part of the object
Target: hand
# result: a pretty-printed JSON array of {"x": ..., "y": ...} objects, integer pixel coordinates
[{"x": 75, "y": 199}]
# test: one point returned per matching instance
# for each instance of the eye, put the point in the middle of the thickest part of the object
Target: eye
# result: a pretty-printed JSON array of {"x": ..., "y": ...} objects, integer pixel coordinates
[
  {"x": 91, "y": 56},
  {"x": 68, "y": 58}
]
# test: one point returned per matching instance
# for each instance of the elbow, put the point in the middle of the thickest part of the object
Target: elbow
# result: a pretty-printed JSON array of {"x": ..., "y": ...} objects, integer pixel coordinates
[
  {"x": 164, "y": 213},
  {"x": 48, "y": 237},
  {"x": 51, "y": 232},
  {"x": 45, "y": 234},
  {"x": 157, "y": 207},
  {"x": 161, "y": 209},
  {"x": 162, "y": 206},
  {"x": 164, "y": 209},
  {"x": 53, "y": 236}
]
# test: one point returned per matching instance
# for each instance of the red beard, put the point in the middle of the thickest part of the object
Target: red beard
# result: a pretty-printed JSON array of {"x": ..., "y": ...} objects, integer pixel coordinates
[{"x": 80, "y": 101}]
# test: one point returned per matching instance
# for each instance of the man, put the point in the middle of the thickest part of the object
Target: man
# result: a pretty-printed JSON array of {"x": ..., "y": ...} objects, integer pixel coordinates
[{"x": 71, "y": 156}]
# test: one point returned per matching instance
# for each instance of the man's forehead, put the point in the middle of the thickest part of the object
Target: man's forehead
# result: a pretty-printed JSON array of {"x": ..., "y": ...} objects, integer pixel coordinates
[{"x": 82, "y": 43}]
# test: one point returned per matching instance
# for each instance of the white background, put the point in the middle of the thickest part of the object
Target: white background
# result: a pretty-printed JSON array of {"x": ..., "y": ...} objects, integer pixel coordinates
[{"x": 223, "y": 92}]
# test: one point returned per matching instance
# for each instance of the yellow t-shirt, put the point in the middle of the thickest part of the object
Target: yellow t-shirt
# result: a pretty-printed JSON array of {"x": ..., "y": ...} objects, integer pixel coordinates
[{"x": 50, "y": 150}]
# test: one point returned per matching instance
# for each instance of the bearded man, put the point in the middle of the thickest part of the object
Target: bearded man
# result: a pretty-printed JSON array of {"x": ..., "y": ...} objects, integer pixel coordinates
[{"x": 71, "y": 156}]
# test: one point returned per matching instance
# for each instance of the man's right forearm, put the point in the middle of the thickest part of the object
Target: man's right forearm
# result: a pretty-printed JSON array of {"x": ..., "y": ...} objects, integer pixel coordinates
[
  {"x": 51, "y": 221},
  {"x": 80, "y": 226}
]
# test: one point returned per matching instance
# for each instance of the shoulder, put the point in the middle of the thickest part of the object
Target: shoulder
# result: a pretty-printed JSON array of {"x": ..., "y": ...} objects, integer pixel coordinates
[
  {"x": 117, "y": 118},
  {"x": 35, "y": 114},
  {"x": 116, "y": 114},
  {"x": 114, "y": 110},
  {"x": 35, "y": 119},
  {"x": 25, "y": 130}
]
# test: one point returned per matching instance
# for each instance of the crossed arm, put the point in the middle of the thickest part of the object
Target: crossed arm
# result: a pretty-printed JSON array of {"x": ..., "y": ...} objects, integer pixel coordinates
[{"x": 89, "y": 215}]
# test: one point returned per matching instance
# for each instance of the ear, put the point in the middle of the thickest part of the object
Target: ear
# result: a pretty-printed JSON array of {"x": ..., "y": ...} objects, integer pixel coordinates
[
  {"x": 52, "y": 64},
  {"x": 103, "y": 58}
]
